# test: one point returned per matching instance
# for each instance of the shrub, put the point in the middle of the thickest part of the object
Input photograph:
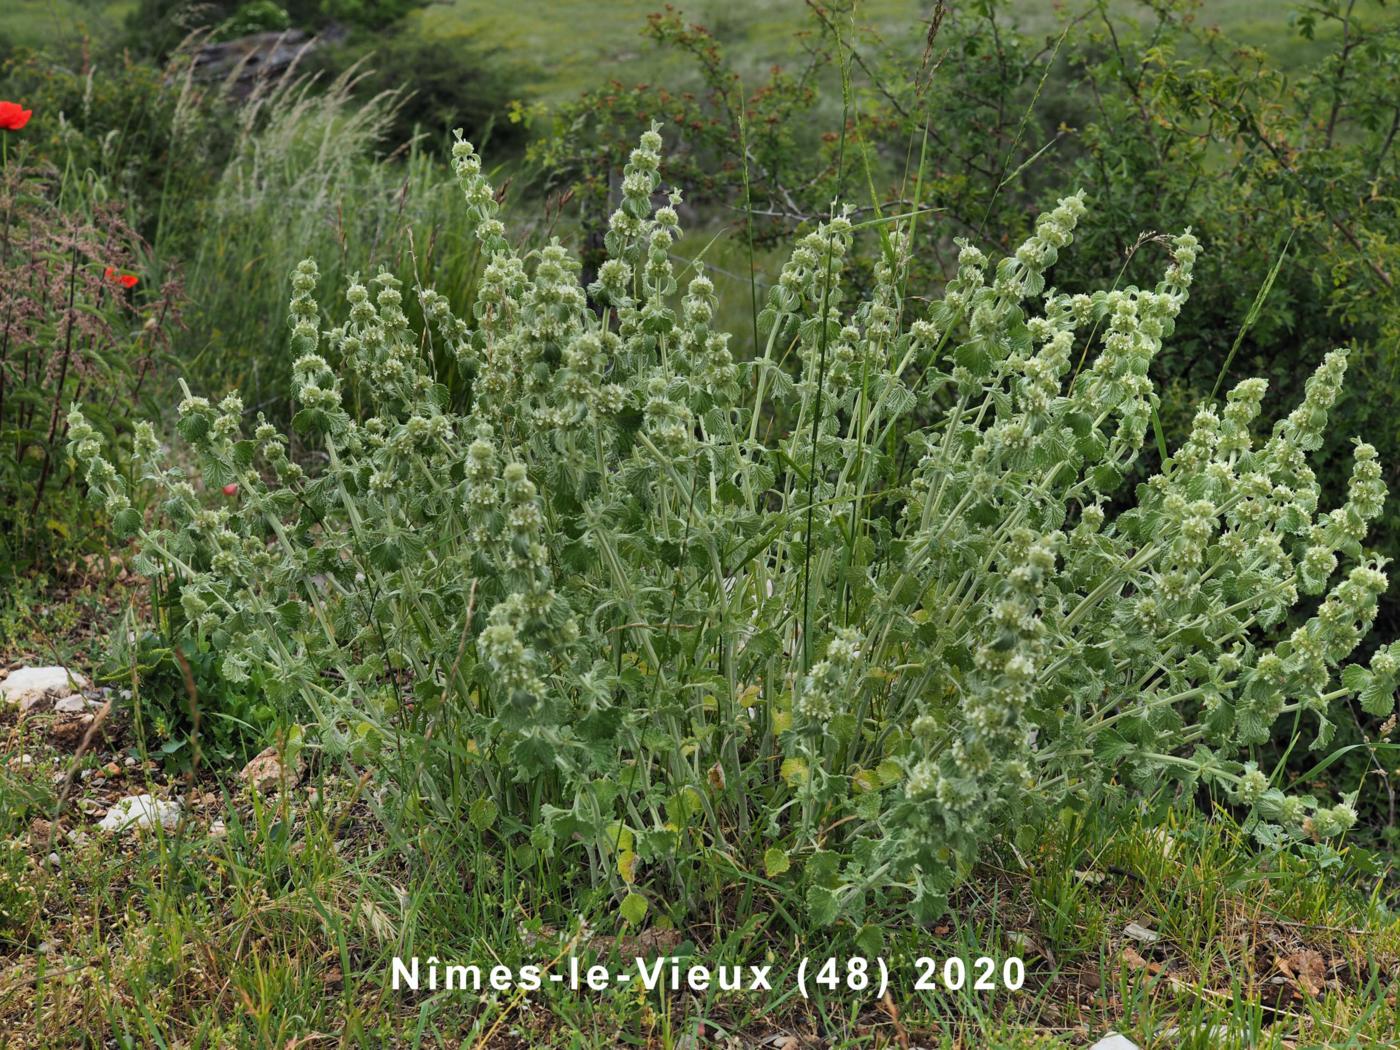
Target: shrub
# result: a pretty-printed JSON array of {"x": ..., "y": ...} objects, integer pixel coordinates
[
  {"x": 635, "y": 619},
  {"x": 75, "y": 323},
  {"x": 259, "y": 16}
]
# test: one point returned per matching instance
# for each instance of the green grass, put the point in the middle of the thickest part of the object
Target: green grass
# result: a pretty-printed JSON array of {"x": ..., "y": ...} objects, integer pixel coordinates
[
  {"x": 567, "y": 45},
  {"x": 572, "y": 43},
  {"x": 35, "y": 23},
  {"x": 284, "y": 930},
  {"x": 583, "y": 38}
]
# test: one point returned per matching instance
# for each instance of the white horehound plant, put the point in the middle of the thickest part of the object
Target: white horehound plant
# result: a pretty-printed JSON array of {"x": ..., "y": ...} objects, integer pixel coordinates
[{"x": 863, "y": 601}]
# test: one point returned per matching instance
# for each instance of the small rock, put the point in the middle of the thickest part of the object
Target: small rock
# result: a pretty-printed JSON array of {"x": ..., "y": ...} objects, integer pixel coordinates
[
  {"x": 54, "y": 861},
  {"x": 72, "y": 705},
  {"x": 29, "y": 687},
  {"x": 1114, "y": 1041},
  {"x": 129, "y": 762},
  {"x": 218, "y": 829},
  {"x": 88, "y": 805},
  {"x": 143, "y": 811},
  {"x": 1141, "y": 934},
  {"x": 78, "y": 838},
  {"x": 265, "y": 772},
  {"x": 45, "y": 948},
  {"x": 111, "y": 769}
]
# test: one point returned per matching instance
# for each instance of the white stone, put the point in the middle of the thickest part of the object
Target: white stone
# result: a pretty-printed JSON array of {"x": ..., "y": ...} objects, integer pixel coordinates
[
  {"x": 30, "y": 686},
  {"x": 74, "y": 705},
  {"x": 143, "y": 811},
  {"x": 1141, "y": 933},
  {"x": 1114, "y": 1041},
  {"x": 218, "y": 829}
]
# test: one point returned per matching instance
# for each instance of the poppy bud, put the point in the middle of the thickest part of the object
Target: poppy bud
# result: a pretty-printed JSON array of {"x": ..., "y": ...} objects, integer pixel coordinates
[{"x": 231, "y": 489}]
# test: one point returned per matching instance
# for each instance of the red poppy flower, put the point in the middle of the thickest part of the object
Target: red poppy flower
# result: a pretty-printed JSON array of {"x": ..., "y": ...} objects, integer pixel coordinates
[
  {"x": 13, "y": 116},
  {"x": 231, "y": 489},
  {"x": 126, "y": 280}
]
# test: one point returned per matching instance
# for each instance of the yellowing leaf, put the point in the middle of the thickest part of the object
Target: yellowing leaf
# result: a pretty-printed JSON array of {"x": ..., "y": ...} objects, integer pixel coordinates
[
  {"x": 775, "y": 862},
  {"x": 794, "y": 771},
  {"x": 620, "y": 837},
  {"x": 890, "y": 772},
  {"x": 627, "y": 866}
]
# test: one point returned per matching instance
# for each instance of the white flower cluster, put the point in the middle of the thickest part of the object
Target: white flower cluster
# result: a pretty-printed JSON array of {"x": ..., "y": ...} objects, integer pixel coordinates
[{"x": 830, "y": 681}]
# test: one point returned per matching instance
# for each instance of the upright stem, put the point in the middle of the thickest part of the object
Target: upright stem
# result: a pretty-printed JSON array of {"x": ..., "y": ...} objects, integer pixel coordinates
[{"x": 58, "y": 387}]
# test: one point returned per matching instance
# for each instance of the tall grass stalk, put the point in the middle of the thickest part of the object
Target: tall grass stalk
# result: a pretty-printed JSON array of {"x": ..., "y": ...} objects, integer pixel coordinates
[{"x": 307, "y": 177}]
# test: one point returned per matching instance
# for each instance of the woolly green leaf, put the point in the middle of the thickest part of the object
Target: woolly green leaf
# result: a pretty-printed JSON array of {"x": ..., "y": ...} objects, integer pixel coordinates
[
  {"x": 483, "y": 813},
  {"x": 823, "y": 906},
  {"x": 633, "y": 909}
]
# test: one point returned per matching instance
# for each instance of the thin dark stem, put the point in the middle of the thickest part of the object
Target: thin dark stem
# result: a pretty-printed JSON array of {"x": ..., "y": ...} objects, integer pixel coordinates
[
  {"x": 1347, "y": 45},
  {"x": 58, "y": 387},
  {"x": 821, "y": 386}
]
